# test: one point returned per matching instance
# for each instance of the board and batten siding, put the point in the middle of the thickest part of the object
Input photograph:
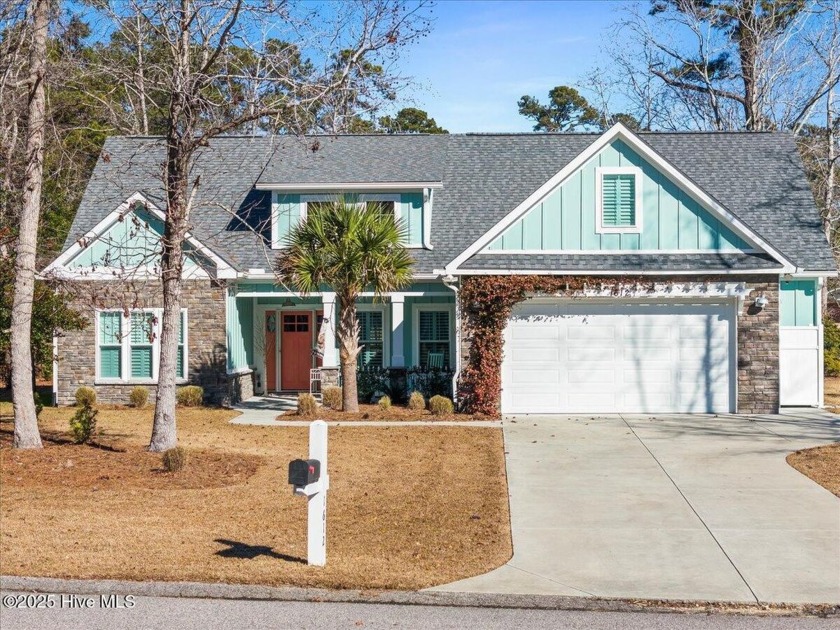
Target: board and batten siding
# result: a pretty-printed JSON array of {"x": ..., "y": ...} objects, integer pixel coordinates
[
  {"x": 798, "y": 302},
  {"x": 565, "y": 219},
  {"x": 240, "y": 332},
  {"x": 286, "y": 212}
]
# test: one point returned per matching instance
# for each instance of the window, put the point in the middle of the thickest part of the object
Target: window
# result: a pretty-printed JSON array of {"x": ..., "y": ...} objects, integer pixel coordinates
[
  {"x": 110, "y": 344},
  {"x": 129, "y": 345},
  {"x": 372, "y": 338},
  {"x": 618, "y": 199},
  {"x": 433, "y": 338}
]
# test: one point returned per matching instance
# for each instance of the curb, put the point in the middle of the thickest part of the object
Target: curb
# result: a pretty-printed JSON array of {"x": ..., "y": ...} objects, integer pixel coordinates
[{"x": 406, "y": 598}]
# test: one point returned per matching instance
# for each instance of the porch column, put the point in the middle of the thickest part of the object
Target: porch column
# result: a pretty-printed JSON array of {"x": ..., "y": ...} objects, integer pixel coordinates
[
  {"x": 397, "y": 330},
  {"x": 330, "y": 359}
]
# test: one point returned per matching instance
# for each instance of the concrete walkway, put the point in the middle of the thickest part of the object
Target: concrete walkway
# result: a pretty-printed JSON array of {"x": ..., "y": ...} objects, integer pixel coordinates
[{"x": 671, "y": 507}]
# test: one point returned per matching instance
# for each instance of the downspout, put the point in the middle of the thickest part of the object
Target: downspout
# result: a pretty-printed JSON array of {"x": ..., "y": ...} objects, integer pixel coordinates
[
  {"x": 451, "y": 282},
  {"x": 55, "y": 372}
]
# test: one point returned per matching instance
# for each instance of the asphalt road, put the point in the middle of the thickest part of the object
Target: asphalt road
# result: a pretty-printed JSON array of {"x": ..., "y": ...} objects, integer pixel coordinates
[{"x": 171, "y": 613}]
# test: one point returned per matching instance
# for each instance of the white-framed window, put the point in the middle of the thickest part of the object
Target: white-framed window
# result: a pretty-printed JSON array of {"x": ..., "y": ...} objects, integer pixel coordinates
[
  {"x": 434, "y": 335},
  {"x": 373, "y": 336},
  {"x": 388, "y": 202},
  {"x": 618, "y": 199},
  {"x": 128, "y": 345}
]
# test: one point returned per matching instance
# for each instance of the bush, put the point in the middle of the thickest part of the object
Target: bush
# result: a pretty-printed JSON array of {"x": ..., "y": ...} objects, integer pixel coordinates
[
  {"x": 83, "y": 424},
  {"x": 372, "y": 381},
  {"x": 430, "y": 381},
  {"x": 139, "y": 397},
  {"x": 441, "y": 406},
  {"x": 39, "y": 404},
  {"x": 307, "y": 405},
  {"x": 416, "y": 401},
  {"x": 190, "y": 396},
  {"x": 831, "y": 347},
  {"x": 331, "y": 397},
  {"x": 85, "y": 396},
  {"x": 174, "y": 459},
  {"x": 385, "y": 403}
]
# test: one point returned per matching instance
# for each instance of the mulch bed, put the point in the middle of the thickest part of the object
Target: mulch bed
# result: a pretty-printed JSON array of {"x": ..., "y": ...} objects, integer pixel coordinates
[
  {"x": 396, "y": 413},
  {"x": 821, "y": 464}
]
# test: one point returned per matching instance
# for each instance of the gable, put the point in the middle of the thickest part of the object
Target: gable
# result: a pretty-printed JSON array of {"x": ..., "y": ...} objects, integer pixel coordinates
[
  {"x": 132, "y": 242},
  {"x": 566, "y": 219}
]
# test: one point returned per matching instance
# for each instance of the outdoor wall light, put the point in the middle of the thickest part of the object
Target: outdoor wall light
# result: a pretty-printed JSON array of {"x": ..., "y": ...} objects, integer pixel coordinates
[{"x": 761, "y": 301}]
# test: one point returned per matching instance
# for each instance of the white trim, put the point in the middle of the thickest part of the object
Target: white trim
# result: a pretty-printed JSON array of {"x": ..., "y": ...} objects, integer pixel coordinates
[
  {"x": 820, "y": 344},
  {"x": 347, "y": 186},
  {"x": 293, "y": 294},
  {"x": 386, "y": 328},
  {"x": 618, "y": 131},
  {"x": 636, "y": 172},
  {"x": 611, "y": 272},
  {"x": 616, "y": 252},
  {"x": 223, "y": 270},
  {"x": 415, "y": 328},
  {"x": 428, "y": 204}
]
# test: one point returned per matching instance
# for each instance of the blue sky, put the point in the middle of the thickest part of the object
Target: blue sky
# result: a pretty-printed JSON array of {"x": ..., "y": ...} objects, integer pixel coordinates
[{"x": 482, "y": 56}]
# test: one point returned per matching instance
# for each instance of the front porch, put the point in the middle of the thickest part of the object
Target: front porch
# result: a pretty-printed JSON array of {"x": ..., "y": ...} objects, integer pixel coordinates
[{"x": 276, "y": 337}]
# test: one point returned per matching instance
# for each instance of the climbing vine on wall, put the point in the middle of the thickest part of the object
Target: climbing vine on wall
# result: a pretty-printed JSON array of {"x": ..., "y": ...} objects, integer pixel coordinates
[{"x": 486, "y": 305}]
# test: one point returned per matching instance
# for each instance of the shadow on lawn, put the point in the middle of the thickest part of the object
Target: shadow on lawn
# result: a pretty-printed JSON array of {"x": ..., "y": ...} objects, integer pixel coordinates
[{"x": 238, "y": 549}]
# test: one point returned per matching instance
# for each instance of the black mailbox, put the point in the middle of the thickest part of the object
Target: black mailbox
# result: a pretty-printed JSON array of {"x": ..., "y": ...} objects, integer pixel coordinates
[{"x": 302, "y": 472}]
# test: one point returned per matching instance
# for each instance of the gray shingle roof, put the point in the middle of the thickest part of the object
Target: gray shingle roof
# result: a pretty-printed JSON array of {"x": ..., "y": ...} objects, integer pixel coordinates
[
  {"x": 758, "y": 177},
  {"x": 622, "y": 262}
]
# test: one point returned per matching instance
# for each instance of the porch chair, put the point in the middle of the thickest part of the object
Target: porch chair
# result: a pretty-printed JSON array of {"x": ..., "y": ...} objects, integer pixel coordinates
[{"x": 435, "y": 360}]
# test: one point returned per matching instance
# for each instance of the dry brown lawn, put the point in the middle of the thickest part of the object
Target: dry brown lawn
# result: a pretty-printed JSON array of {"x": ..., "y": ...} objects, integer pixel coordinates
[
  {"x": 832, "y": 391},
  {"x": 408, "y": 508},
  {"x": 821, "y": 464},
  {"x": 395, "y": 413}
]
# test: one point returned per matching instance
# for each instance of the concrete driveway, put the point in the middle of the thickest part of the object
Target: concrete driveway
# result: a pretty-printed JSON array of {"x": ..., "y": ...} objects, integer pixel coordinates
[{"x": 670, "y": 507}]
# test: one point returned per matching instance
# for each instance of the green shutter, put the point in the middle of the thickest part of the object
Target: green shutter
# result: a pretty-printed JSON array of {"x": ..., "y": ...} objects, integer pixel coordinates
[
  {"x": 141, "y": 362},
  {"x": 371, "y": 336},
  {"x": 434, "y": 336},
  {"x": 618, "y": 198},
  {"x": 180, "y": 362},
  {"x": 110, "y": 327},
  {"x": 142, "y": 327},
  {"x": 110, "y": 362}
]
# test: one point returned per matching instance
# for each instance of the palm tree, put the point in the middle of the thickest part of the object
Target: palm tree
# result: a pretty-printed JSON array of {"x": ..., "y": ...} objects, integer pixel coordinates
[{"x": 350, "y": 247}]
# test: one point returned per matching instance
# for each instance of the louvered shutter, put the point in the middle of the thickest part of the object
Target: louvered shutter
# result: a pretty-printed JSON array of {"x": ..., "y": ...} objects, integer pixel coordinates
[{"x": 618, "y": 198}]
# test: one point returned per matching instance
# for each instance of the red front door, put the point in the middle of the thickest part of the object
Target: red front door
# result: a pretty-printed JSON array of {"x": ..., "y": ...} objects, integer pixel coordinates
[{"x": 295, "y": 350}]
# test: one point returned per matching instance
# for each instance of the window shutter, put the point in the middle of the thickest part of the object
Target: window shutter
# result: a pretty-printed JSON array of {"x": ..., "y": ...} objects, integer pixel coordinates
[
  {"x": 141, "y": 362},
  {"x": 180, "y": 362},
  {"x": 110, "y": 327},
  {"x": 618, "y": 199},
  {"x": 142, "y": 326},
  {"x": 110, "y": 362}
]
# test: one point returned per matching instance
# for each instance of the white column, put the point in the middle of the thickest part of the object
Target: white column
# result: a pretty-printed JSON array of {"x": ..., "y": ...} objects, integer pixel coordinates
[
  {"x": 330, "y": 354},
  {"x": 397, "y": 330}
]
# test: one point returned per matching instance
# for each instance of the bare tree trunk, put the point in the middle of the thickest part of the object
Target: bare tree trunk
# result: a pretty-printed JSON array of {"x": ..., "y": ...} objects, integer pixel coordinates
[
  {"x": 831, "y": 160},
  {"x": 348, "y": 338},
  {"x": 26, "y": 421}
]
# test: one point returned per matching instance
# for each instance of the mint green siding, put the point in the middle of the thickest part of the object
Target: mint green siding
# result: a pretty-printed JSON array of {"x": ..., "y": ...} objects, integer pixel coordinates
[
  {"x": 134, "y": 241},
  {"x": 565, "y": 219},
  {"x": 412, "y": 214},
  {"x": 286, "y": 214},
  {"x": 287, "y": 211},
  {"x": 798, "y": 302},
  {"x": 240, "y": 332}
]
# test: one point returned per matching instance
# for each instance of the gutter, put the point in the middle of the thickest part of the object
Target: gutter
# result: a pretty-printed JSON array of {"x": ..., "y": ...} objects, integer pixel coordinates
[{"x": 451, "y": 282}]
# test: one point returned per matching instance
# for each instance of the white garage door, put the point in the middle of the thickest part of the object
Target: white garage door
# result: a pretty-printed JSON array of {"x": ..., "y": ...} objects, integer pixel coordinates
[{"x": 567, "y": 356}]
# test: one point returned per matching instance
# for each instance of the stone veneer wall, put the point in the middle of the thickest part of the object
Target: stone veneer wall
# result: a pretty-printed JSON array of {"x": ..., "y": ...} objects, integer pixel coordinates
[
  {"x": 757, "y": 341},
  {"x": 207, "y": 343},
  {"x": 758, "y": 349}
]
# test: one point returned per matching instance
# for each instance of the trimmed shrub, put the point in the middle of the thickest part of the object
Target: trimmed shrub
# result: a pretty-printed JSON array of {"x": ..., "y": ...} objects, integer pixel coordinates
[
  {"x": 416, "y": 401},
  {"x": 39, "y": 404},
  {"x": 441, "y": 406},
  {"x": 306, "y": 405},
  {"x": 372, "y": 381},
  {"x": 139, "y": 397},
  {"x": 83, "y": 424},
  {"x": 85, "y": 396},
  {"x": 385, "y": 402},
  {"x": 190, "y": 396},
  {"x": 831, "y": 347},
  {"x": 430, "y": 381},
  {"x": 331, "y": 397},
  {"x": 174, "y": 459}
]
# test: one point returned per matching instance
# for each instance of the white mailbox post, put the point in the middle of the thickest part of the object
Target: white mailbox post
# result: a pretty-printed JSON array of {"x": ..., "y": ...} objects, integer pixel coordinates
[{"x": 315, "y": 492}]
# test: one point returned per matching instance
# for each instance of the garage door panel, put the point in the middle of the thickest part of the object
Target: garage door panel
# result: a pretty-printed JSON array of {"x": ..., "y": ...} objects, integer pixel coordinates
[{"x": 621, "y": 356}]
